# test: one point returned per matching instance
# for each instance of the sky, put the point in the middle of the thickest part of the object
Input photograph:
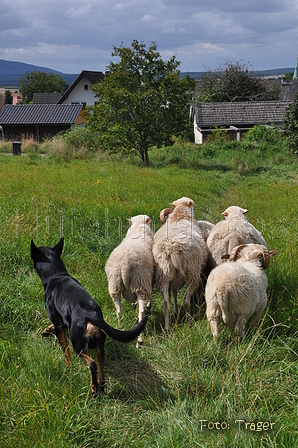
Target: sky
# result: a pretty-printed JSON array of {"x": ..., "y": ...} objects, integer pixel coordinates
[{"x": 74, "y": 35}]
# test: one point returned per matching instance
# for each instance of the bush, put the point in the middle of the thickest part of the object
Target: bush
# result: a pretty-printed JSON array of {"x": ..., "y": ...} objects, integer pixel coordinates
[
  {"x": 265, "y": 136},
  {"x": 291, "y": 126},
  {"x": 81, "y": 138}
]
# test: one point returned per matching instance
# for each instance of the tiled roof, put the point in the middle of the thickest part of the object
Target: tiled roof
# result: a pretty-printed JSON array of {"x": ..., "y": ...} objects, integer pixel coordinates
[
  {"x": 39, "y": 114},
  {"x": 240, "y": 113},
  {"x": 93, "y": 77},
  {"x": 46, "y": 98}
]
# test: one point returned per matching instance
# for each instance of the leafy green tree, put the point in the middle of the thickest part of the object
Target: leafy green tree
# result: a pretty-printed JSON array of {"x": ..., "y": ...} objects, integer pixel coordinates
[
  {"x": 233, "y": 81},
  {"x": 290, "y": 125},
  {"x": 142, "y": 101},
  {"x": 40, "y": 82},
  {"x": 8, "y": 97}
]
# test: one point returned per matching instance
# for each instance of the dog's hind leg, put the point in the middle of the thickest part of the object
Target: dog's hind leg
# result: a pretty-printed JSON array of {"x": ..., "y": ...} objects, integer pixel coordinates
[
  {"x": 62, "y": 338},
  {"x": 100, "y": 356},
  {"x": 93, "y": 369}
]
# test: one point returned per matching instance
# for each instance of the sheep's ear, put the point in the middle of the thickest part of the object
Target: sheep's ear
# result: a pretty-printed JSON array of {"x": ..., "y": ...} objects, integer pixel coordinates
[
  {"x": 129, "y": 220},
  {"x": 190, "y": 204},
  {"x": 244, "y": 210},
  {"x": 148, "y": 220},
  {"x": 224, "y": 213},
  {"x": 225, "y": 257}
]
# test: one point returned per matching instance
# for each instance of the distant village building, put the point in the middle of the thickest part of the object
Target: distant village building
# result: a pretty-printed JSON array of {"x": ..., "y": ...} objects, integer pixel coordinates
[{"x": 50, "y": 113}]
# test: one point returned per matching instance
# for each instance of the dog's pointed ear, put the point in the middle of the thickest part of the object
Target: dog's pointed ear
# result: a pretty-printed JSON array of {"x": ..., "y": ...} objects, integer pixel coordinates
[
  {"x": 34, "y": 251},
  {"x": 59, "y": 247},
  {"x": 37, "y": 255}
]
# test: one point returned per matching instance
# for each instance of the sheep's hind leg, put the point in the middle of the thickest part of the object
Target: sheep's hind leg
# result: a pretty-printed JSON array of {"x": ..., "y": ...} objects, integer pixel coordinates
[
  {"x": 214, "y": 325},
  {"x": 142, "y": 305},
  {"x": 175, "y": 293},
  {"x": 166, "y": 304},
  {"x": 187, "y": 304},
  {"x": 117, "y": 302},
  {"x": 241, "y": 321}
]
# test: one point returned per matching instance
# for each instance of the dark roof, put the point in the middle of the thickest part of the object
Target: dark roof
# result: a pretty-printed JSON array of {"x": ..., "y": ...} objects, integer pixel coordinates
[
  {"x": 288, "y": 90},
  {"x": 39, "y": 114},
  {"x": 93, "y": 77},
  {"x": 46, "y": 98},
  {"x": 240, "y": 113}
]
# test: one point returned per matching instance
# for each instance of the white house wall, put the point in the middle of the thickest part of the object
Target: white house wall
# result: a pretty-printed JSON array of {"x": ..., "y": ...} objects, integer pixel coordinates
[
  {"x": 198, "y": 134},
  {"x": 79, "y": 95}
]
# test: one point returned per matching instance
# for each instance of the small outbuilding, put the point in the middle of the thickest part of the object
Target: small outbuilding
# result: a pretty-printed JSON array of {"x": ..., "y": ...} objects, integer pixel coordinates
[
  {"x": 236, "y": 118},
  {"x": 39, "y": 121}
]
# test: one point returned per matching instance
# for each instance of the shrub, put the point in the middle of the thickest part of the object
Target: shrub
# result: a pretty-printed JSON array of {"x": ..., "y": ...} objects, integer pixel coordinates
[
  {"x": 81, "y": 138},
  {"x": 265, "y": 136},
  {"x": 290, "y": 125}
]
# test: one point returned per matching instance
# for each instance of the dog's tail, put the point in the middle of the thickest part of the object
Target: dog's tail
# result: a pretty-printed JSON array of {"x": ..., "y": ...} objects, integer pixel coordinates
[{"x": 121, "y": 335}]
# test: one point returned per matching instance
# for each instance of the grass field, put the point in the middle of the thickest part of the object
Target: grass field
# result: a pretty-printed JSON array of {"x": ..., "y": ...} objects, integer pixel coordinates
[{"x": 181, "y": 389}]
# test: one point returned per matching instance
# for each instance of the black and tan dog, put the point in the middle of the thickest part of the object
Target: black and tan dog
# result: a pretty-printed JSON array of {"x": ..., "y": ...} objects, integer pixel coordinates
[{"x": 69, "y": 306}]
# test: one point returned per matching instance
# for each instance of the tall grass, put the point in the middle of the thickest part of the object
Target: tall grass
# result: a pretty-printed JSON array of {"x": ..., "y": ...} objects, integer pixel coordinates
[{"x": 181, "y": 389}]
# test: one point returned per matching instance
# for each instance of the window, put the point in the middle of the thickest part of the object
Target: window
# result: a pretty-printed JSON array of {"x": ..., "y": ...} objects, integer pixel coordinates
[{"x": 86, "y": 87}]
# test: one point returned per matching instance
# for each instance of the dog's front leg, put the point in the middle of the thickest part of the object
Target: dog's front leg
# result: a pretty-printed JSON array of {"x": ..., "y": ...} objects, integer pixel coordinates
[
  {"x": 48, "y": 331},
  {"x": 93, "y": 369},
  {"x": 62, "y": 338}
]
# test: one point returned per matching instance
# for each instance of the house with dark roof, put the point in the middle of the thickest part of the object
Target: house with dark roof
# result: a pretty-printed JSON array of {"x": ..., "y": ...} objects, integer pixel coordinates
[
  {"x": 288, "y": 89},
  {"x": 39, "y": 121},
  {"x": 80, "y": 91},
  {"x": 46, "y": 98},
  {"x": 236, "y": 118}
]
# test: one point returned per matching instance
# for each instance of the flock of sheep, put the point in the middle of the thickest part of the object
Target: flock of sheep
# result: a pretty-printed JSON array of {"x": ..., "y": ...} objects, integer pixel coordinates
[{"x": 232, "y": 255}]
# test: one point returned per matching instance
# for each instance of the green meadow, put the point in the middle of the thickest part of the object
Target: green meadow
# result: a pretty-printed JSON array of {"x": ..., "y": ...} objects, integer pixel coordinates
[{"x": 181, "y": 389}]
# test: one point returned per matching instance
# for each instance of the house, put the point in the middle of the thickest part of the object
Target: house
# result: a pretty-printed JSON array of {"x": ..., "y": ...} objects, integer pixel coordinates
[
  {"x": 80, "y": 91},
  {"x": 16, "y": 98},
  {"x": 236, "y": 117},
  {"x": 288, "y": 89},
  {"x": 2, "y": 100},
  {"x": 39, "y": 121},
  {"x": 46, "y": 98}
]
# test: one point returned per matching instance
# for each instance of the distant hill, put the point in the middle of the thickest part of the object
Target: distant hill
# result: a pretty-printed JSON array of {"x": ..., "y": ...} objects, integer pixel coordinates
[
  {"x": 273, "y": 72},
  {"x": 11, "y": 72}
]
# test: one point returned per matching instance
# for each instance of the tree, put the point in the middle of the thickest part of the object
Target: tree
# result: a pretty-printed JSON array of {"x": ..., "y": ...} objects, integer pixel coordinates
[
  {"x": 142, "y": 101},
  {"x": 233, "y": 81},
  {"x": 8, "y": 97},
  {"x": 290, "y": 125},
  {"x": 40, "y": 82}
]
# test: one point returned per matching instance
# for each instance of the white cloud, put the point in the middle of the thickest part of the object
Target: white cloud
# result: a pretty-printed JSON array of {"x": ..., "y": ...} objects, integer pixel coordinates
[{"x": 72, "y": 35}]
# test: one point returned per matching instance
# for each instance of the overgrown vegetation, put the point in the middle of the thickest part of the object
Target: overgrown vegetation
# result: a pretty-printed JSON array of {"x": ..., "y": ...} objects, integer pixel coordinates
[
  {"x": 235, "y": 81},
  {"x": 291, "y": 125},
  {"x": 181, "y": 389}
]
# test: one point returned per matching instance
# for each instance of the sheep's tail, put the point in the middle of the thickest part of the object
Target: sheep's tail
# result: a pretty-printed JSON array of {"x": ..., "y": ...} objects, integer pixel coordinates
[
  {"x": 177, "y": 259},
  {"x": 123, "y": 336},
  {"x": 222, "y": 298},
  {"x": 125, "y": 275}
]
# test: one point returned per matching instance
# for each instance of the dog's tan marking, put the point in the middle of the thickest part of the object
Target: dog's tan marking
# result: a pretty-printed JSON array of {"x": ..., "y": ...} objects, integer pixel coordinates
[{"x": 91, "y": 330}]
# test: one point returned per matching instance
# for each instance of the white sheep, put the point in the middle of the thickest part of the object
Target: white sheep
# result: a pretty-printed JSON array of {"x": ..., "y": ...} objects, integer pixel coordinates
[
  {"x": 236, "y": 291},
  {"x": 231, "y": 232},
  {"x": 130, "y": 267},
  {"x": 206, "y": 227},
  {"x": 180, "y": 254}
]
